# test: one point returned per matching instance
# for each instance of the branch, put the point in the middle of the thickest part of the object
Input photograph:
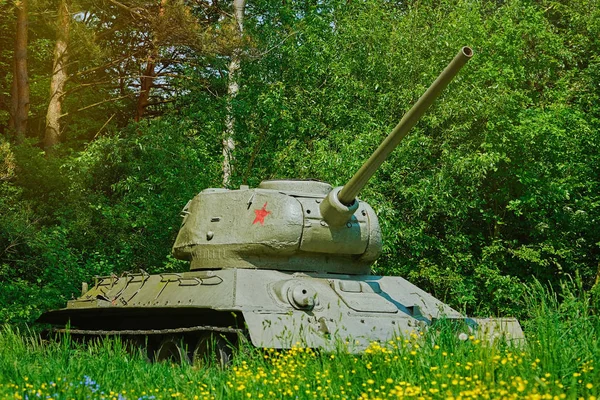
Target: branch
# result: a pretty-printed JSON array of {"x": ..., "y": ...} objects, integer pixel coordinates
[
  {"x": 84, "y": 85},
  {"x": 164, "y": 87},
  {"x": 103, "y": 126},
  {"x": 109, "y": 64},
  {"x": 155, "y": 103},
  {"x": 259, "y": 55},
  {"x": 131, "y": 10},
  {"x": 96, "y": 104},
  {"x": 257, "y": 146}
]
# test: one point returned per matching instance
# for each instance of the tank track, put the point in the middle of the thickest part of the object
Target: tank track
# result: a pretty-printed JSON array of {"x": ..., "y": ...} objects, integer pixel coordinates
[
  {"x": 131, "y": 332},
  {"x": 190, "y": 345}
]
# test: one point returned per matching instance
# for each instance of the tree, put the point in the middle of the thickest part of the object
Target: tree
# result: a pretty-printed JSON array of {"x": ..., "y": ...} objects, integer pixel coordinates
[
  {"x": 138, "y": 47},
  {"x": 148, "y": 76},
  {"x": 59, "y": 78},
  {"x": 20, "y": 85},
  {"x": 7, "y": 28},
  {"x": 232, "y": 91}
]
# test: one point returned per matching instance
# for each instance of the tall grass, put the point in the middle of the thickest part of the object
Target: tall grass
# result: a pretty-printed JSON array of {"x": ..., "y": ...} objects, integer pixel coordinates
[
  {"x": 563, "y": 329},
  {"x": 559, "y": 359}
]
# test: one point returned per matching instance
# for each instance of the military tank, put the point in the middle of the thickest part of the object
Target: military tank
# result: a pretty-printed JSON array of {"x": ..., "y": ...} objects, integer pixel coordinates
[{"x": 284, "y": 264}]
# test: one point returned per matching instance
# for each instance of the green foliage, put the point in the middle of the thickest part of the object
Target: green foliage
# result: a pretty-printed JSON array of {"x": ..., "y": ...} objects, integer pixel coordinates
[
  {"x": 21, "y": 300},
  {"x": 496, "y": 186},
  {"x": 135, "y": 187},
  {"x": 110, "y": 208}
]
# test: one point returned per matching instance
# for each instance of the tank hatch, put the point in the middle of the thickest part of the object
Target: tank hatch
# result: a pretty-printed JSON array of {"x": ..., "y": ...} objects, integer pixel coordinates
[{"x": 305, "y": 188}]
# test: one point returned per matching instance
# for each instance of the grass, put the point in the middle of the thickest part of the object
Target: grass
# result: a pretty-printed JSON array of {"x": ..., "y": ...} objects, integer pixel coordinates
[{"x": 559, "y": 361}]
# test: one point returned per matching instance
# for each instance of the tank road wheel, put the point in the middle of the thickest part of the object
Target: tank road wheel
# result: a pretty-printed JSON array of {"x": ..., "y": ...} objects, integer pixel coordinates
[
  {"x": 172, "y": 349},
  {"x": 212, "y": 349}
]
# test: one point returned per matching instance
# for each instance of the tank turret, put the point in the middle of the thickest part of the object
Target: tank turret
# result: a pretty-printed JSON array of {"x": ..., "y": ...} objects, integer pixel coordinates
[
  {"x": 303, "y": 226},
  {"x": 277, "y": 225}
]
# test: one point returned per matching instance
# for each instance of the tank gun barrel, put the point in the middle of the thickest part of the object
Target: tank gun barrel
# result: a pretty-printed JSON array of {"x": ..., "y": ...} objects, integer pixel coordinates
[
  {"x": 360, "y": 178},
  {"x": 337, "y": 207}
]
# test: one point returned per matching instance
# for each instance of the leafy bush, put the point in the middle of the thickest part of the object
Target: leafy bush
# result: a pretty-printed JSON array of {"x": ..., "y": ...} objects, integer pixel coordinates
[{"x": 111, "y": 208}]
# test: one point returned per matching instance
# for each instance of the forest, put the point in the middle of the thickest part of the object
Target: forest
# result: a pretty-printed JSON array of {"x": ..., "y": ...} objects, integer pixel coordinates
[{"x": 114, "y": 113}]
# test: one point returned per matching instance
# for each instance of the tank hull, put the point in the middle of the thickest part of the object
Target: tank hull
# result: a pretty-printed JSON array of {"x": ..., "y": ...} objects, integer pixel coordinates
[{"x": 274, "y": 309}]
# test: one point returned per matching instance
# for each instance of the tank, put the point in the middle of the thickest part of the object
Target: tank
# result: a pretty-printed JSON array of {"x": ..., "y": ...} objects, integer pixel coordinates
[{"x": 284, "y": 264}]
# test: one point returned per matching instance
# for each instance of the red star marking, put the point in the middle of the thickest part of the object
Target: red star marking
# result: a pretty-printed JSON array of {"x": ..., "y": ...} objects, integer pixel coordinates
[{"x": 261, "y": 214}]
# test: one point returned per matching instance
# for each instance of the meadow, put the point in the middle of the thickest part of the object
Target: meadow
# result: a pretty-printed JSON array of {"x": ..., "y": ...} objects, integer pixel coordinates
[{"x": 559, "y": 361}]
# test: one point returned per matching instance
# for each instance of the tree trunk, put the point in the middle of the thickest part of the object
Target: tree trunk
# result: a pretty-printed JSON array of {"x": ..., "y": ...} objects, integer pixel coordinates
[
  {"x": 146, "y": 83},
  {"x": 59, "y": 78},
  {"x": 14, "y": 99},
  {"x": 21, "y": 87},
  {"x": 147, "y": 79},
  {"x": 232, "y": 91}
]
